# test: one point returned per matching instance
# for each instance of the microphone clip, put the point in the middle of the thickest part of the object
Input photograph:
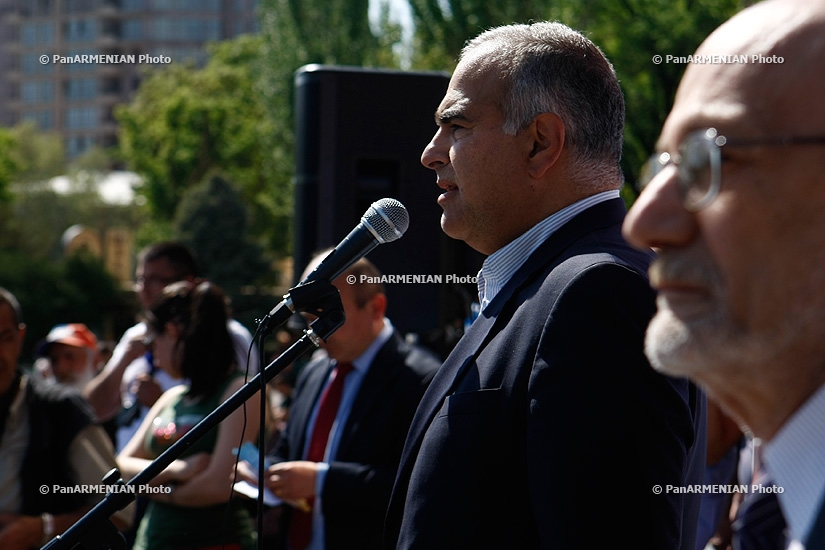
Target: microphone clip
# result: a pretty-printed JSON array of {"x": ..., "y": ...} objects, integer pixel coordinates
[{"x": 316, "y": 297}]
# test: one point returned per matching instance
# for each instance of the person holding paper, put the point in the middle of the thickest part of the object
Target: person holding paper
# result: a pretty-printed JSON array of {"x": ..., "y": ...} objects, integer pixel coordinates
[{"x": 353, "y": 405}]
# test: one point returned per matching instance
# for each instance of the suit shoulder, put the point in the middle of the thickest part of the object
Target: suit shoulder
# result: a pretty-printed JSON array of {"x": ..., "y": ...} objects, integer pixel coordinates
[
  {"x": 421, "y": 361},
  {"x": 608, "y": 246},
  {"x": 411, "y": 359},
  {"x": 601, "y": 280},
  {"x": 60, "y": 403},
  {"x": 318, "y": 361}
]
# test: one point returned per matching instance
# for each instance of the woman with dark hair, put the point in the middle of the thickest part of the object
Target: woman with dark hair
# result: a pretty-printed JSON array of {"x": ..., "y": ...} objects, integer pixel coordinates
[{"x": 189, "y": 339}]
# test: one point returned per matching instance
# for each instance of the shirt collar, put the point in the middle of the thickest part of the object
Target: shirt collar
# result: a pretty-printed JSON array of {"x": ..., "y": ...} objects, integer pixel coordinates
[
  {"x": 795, "y": 460},
  {"x": 362, "y": 363},
  {"x": 499, "y": 266}
]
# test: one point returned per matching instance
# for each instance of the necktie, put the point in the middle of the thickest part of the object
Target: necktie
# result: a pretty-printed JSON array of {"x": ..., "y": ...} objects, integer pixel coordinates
[
  {"x": 760, "y": 524},
  {"x": 300, "y": 528}
]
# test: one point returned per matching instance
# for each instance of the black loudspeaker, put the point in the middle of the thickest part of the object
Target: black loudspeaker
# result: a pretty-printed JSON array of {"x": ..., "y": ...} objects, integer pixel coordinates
[{"x": 359, "y": 138}]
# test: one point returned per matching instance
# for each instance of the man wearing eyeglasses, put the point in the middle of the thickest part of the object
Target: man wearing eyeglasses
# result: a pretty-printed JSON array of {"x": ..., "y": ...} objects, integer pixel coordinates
[
  {"x": 129, "y": 383},
  {"x": 733, "y": 204}
]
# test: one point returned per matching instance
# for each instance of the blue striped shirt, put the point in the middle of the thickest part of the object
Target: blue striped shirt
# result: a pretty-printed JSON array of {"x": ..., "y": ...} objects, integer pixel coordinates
[
  {"x": 504, "y": 262},
  {"x": 795, "y": 460}
]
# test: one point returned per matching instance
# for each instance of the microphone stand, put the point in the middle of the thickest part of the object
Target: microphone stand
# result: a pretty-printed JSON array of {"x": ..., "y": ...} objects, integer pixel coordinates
[{"x": 94, "y": 531}]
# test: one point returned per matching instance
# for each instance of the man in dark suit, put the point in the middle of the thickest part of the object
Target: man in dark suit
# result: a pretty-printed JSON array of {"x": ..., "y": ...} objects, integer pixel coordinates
[
  {"x": 344, "y": 489},
  {"x": 546, "y": 426},
  {"x": 734, "y": 205}
]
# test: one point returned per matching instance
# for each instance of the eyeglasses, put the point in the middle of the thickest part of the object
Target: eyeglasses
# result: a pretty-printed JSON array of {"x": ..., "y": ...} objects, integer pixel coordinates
[
  {"x": 154, "y": 280},
  {"x": 699, "y": 163}
]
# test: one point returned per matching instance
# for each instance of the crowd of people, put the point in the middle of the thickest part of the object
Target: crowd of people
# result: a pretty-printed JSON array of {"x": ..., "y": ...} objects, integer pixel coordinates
[{"x": 619, "y": 361}]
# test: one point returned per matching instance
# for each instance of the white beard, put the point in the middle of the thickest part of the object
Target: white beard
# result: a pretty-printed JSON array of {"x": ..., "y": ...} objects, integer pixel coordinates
[{"x": 82, "y": 379}]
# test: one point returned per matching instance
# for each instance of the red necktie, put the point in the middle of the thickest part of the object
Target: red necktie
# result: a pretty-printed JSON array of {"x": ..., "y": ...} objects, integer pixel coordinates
[{"x": 300, "y": 529}]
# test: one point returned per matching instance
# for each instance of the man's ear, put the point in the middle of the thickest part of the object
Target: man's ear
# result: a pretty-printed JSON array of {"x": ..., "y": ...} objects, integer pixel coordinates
[
  {"x": 547, "y": 134},
  {"x": 379, "y": 306}
]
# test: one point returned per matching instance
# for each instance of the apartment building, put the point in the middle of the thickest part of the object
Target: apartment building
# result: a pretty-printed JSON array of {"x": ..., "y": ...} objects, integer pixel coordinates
[{"x": 65, "y": 64}]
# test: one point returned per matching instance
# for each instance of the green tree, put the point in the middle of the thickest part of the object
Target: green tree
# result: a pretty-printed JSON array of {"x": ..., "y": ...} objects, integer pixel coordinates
[
  {"x": 443, "y": 26},
  {"x": 212, "y": 220},
  {"x": 38, "y": 155},
  {"x": 299, "y": 32},
  {"x": 74, "y": 290},
  {"x": 185, "y": 122},
  {"x": 35, "y": 222},
  {"x": 8, "y": 165},
  {"x": 28, "y": 156}
]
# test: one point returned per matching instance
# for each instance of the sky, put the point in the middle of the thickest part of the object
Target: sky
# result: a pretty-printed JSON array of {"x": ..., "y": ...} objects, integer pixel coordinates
[{"x": 399, "y": 10}]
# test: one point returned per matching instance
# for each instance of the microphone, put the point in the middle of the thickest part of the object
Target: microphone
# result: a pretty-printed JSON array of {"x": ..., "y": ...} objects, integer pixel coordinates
[{"x": 385, "y": 221}]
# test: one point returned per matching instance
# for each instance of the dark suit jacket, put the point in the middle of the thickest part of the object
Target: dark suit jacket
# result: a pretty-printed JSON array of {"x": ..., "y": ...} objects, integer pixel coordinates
[
  {"x": 359, "y": 481},
  {"x": 816, "y": 538},
  {"x": 546, "y": 427}
]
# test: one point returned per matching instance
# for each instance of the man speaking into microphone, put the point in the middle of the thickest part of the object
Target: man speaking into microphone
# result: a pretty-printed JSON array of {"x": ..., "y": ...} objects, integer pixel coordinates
[
  {"x": 546, "y": 427},
  {"x": 353, "y": 405}
]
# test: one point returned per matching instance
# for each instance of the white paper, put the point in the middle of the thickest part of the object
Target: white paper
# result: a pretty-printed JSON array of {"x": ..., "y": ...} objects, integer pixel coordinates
[{"x": 247, "y": 489}]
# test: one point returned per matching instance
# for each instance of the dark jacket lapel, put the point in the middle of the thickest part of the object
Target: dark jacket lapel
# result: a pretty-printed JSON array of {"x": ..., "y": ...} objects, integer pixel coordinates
[
  {"x": 382, "y": 371},
  {"x": 598, "y": 216},
  {"x": 310, "y": 391},
  {"x": 601, "y": 215},
  {"x": 816, "y": 538}
]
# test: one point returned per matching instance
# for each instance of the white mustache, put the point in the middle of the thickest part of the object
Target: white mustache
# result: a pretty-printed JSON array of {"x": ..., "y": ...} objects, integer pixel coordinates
[{"x": 684, "y": 267}]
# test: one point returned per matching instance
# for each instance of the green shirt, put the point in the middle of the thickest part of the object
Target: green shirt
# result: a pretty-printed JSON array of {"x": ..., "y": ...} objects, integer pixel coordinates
[{"x": 169, "y": 527}]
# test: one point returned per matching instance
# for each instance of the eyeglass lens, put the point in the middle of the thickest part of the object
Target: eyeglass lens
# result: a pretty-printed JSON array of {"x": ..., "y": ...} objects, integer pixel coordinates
[
  {"x": 697, "y": 163},
  {"x": 697, "y": 169}
]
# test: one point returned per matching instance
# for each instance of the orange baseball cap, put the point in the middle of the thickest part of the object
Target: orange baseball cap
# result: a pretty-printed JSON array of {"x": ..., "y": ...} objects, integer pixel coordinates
[{"x": 73, "y": 334}]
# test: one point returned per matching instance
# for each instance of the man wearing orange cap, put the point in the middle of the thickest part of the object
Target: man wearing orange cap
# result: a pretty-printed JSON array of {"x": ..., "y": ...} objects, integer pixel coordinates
[{"x": 72, "y": 352}]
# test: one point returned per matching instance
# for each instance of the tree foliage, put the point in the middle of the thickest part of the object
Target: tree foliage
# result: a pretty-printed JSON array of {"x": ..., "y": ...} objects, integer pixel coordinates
[
  {"x": 37, "y": 218},
  {"x": 212, "y": 220},
  {"x": 38, "y": 155},
  {"x": 186, "y": 122},
  {"x": 8, "y": 166},
  {"x": 74, "y": 290},
  {"x": 27, "y": 155},
  {"x": 442, "y": 26}
]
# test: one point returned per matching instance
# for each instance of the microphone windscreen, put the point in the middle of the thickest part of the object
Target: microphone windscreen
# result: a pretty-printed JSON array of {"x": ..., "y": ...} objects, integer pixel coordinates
[{"x": 387, "y": 220}]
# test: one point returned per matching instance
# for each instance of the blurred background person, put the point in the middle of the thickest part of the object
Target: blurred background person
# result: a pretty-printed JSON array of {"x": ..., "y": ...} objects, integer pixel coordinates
[
  {"x": 130, "y": 383},
  {"x": 72, "y": 353},
  {"x": 48, "y": 438},
  {"x": 187, "y": 333},
  {"x": 337, "y": 459}
]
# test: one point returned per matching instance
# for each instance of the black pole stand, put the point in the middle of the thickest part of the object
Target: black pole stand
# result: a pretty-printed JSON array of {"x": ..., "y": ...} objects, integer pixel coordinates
[{"x": 94, "y": 531}]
